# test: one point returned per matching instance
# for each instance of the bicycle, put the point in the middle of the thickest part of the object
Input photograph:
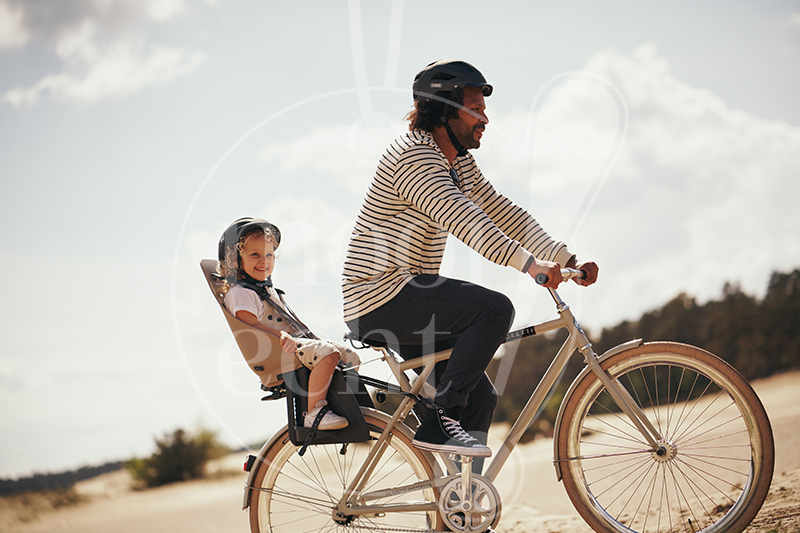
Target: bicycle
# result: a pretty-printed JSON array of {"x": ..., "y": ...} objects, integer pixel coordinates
[{"x": 655, "y": 436}]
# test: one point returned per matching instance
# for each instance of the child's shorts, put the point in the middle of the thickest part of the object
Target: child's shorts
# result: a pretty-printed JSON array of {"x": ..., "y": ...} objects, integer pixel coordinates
[{"x": 309, "y": 352}]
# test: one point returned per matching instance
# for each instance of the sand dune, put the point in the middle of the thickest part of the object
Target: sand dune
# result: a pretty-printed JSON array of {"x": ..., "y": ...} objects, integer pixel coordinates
[{"x": 533, "y": 500}]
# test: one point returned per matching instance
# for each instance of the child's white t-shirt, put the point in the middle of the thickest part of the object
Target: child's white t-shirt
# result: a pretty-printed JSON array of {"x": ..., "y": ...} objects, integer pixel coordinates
[
  {"x": 240, "y": 298},
  {"x": 309, "y": 351}
]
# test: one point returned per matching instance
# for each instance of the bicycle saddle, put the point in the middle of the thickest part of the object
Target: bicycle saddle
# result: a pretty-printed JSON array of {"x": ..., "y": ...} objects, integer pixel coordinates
[{"x": 372, "y": 343}]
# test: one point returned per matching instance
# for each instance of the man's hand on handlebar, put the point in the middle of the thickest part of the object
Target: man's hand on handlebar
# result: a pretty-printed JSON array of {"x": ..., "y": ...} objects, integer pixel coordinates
[
  {"x": 590, "y": 270},
  {"x": 549, "y": 269},
  {"x": 548, "y": 274}
]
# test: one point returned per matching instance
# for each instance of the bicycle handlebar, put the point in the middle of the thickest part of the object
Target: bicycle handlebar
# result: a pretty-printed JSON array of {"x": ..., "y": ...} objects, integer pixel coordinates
[{"x": 566, "y": 275}]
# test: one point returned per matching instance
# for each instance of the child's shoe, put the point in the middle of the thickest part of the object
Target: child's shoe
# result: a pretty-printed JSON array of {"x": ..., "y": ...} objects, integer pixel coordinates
[{"x": 329, "y": 421}]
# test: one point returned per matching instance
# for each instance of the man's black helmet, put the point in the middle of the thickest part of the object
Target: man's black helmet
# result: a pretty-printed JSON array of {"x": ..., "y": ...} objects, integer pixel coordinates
[
  {"x": 234, "y": 232},
  {"x": 445, "y": 76}
]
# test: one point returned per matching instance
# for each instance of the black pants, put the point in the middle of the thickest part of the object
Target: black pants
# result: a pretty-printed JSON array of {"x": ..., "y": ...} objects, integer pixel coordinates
[{"x": 432, "y": 313}]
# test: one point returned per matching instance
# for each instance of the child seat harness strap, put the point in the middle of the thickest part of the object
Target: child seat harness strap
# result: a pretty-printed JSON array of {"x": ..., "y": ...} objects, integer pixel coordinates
[
  {"x": 314, "y": 426},
  {"x": 282, "y": 308}
]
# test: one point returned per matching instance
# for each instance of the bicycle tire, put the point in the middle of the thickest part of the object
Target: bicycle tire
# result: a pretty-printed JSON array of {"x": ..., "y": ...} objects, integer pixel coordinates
[
  {"x": 294, "y": 494},
  {"x": 717, "y": 455}
]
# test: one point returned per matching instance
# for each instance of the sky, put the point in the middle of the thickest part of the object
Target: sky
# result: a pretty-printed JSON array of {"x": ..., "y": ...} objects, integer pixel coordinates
[{"x": 661, "y": 141}]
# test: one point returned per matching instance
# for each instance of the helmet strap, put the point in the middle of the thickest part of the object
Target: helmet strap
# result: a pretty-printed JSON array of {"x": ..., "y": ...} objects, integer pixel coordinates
[
  {"x": 460, "y": 150},
  {"x": 249, "y": 282}
]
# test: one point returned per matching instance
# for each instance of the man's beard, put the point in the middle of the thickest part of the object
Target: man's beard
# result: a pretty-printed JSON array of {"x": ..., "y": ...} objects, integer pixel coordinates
[{"x": 466, "y": 136}]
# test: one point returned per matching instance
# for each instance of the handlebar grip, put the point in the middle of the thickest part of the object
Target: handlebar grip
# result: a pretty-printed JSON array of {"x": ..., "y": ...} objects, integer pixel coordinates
[{"x": 566, "y": 273}]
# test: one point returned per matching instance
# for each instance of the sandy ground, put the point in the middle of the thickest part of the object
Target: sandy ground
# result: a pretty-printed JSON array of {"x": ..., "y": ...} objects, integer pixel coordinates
[{"x": 533, "y": 500}]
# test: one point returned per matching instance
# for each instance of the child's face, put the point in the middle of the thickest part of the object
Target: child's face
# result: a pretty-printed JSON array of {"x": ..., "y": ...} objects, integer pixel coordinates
[{"x": 258, "y": 257}]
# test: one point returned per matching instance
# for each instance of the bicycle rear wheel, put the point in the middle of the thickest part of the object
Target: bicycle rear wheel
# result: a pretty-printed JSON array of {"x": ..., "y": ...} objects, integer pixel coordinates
[
  {"x": 297, "y": 494},
  {"x": 714, "y": 464}
]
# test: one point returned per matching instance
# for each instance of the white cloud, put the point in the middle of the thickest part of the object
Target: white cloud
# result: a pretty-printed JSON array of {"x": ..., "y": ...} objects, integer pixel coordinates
[
  {"x": 12, "y": 30},
  {"x": 693, "y": 194},
  {"x": 349, "y": 153},
  {"x": 103, "y": 59},
  {"x": 162, "y": 10},
  {"x": 794, "y": 20},
  {"x": 116, "y": 71},
  {"x": 165, "y": 9},
  {"x": 699, "y": 194},
  {"x": 714, "y": 183}
]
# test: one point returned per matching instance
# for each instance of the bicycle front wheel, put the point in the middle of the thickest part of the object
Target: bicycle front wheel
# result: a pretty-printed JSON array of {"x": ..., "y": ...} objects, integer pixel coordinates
[
  {"x": 713, "y": 466},
  {"x": 297, "y": 494}
]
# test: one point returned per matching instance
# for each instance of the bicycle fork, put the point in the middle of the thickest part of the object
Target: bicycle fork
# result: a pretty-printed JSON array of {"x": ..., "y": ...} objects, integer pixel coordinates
[
  {"x": 624, "y": 401},
  {"x": 618, "y": 393}
]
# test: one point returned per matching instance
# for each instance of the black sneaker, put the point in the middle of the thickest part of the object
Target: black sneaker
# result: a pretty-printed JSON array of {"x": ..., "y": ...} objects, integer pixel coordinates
[{"x": 441, "y": 433}]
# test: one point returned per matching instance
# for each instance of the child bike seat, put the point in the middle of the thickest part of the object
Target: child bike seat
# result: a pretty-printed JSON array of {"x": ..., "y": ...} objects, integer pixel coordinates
[{"x": 262, "y": 351}]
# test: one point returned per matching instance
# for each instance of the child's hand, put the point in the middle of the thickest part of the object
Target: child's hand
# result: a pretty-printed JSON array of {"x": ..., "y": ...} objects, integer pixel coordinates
[
  {"x": 350, "y": 358},
  {"x": 288, "y": 343}
]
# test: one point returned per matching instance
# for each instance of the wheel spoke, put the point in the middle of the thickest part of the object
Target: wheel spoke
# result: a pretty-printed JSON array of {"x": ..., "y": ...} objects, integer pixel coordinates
[
  {"x": 297, "y": 493},
  {"x": 647, "y": 466},
  {"x": 711, "y": 429},
  {"x": 308, "y": 503},
  {"x": 679, "y": 492},
  {"x": 686, "y": 403},
  {"x": 676, "y": 434},
  {"x": 615, "y": 414},
  {"x": 742, "y": 433},
  {"x": 643, "y": 465},
  {"x": 698, "y": 470},
  {"x": 671, "y": 411},
  {"x": 309, "y": 482},
  {"x": 692, "y": 486},
  {"x": 665, "y": 497},
  {"x": 627, "y": 437},
  {"x": 703, "y": 467}
]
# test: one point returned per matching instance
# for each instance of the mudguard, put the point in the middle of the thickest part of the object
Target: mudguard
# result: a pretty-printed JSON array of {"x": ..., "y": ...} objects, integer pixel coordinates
[
  {"x": 613, "y": 351},
  {"x": 259, "y": 463}
]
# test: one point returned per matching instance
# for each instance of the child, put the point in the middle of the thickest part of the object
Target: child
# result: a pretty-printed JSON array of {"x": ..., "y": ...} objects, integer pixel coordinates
[{"x": 247, "y": 259}]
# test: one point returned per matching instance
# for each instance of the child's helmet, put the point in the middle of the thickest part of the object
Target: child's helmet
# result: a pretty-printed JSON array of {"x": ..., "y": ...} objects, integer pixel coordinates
[
  {"x": 445, "y": 76},
  {"x": 230, "y": 237}
]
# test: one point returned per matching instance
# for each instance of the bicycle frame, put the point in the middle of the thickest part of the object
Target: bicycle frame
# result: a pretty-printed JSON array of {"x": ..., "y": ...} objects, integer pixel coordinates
[
  {"x": 353, "y": 500},
  {"x": 708, "y": 466}
]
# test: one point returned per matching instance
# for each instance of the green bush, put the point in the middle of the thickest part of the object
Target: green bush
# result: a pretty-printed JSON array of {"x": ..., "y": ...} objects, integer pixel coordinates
[{"x": 179, "y": 457}]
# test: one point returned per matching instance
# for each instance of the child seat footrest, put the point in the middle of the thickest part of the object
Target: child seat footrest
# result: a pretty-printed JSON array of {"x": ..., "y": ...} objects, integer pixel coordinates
[
  {"x": 313, "y": 429},
  {"x": 341, "y": 400}
]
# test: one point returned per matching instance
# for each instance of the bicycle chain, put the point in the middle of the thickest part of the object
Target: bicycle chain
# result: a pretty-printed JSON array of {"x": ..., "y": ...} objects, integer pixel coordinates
[
  {"x": 394, "y": 529},
  {"x": 398, "y": 529}
]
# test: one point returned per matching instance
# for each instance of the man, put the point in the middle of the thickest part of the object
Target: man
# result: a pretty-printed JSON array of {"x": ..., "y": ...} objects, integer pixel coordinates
[{"x": 428, "y": 185}]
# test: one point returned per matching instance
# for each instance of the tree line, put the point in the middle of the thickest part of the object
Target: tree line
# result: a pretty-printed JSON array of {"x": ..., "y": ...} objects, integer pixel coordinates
[
  {"x": 57, "y": 481},
  {"x": 179, "y": 456},
  {"x": 758, "y": 337}
]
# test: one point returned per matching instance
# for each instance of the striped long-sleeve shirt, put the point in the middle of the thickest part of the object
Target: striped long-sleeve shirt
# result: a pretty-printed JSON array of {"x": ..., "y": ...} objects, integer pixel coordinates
[{"x": 411, "y": 206}]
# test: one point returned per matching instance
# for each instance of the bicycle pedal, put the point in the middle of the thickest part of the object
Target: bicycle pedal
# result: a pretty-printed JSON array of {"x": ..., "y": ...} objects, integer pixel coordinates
[{"x": 458, "y": 458}]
